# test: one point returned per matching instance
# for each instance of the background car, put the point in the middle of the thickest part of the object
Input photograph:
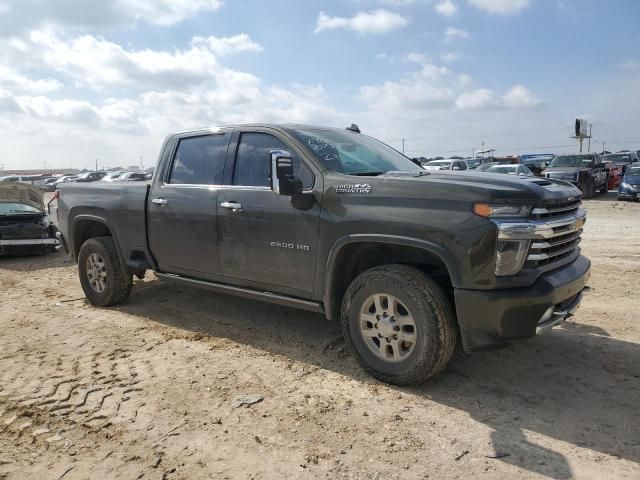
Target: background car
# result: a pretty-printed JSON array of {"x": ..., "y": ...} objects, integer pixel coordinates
[
  {"x": 132, "y": 177},
  {"x": 510, "y": 170},
  {"x": 630, "y": 185},
  {"x": 538, "y": 163},
  {"x": 614, "y": 172},
  {"x": 113, "y": 176},
  {"x": 451, "y": 164},
  {"x": 486, "y": 166},
  {"x": 473, "y": 163},
  {"x": 90, "y": 177},
  {"x": 584, "y": 170},
  {"x": 622, "y": 159},
  {"x": 64, "y": 179}
]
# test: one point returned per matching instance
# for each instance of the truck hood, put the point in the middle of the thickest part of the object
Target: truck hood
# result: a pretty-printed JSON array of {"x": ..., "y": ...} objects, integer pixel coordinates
[
  {"x": 13, "y": 192},
  {"x": 482, "y": 186}
]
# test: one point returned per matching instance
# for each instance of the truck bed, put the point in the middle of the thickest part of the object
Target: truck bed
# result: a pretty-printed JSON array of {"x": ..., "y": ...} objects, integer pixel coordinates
[{"x": 121, "y": 205}]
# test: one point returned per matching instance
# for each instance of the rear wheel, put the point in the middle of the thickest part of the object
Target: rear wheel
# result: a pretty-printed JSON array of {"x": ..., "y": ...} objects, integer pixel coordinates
[
  {"x": 101, "y": 273},
  {"x": 399, "y": 324}
]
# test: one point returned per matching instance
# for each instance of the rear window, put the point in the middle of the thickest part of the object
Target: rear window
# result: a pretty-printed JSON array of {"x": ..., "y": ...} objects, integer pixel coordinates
[{"x": 199, "y": 160}]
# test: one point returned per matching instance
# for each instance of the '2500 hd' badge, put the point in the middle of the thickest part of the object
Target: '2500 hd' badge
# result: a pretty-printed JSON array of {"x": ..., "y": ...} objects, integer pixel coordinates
[{"x": 353, "y": 188}]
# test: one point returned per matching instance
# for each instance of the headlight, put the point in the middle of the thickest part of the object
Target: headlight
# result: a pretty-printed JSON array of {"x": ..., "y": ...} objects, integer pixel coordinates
[
  {"x": 497, "y": 211},
  {"x": 510, "y": 256},
  {"x": 625, "y": 185}
]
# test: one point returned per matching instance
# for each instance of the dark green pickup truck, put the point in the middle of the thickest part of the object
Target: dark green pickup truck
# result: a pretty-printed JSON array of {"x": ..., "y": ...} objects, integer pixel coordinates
[{"x": 410, "y": 262}]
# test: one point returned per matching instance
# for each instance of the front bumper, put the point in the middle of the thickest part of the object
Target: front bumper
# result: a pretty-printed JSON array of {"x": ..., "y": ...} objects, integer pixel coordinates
[{"x": 493, "y": 318}]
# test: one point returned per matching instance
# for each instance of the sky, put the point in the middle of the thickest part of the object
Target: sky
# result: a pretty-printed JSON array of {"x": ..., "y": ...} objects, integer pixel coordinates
[{"x": 84, "y": 82}]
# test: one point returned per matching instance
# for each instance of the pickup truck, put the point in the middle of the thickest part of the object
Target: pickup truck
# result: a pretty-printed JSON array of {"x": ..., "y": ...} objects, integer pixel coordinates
[
  {"x": 412, "y": 263},
  {"x": 584, "y": 170}
]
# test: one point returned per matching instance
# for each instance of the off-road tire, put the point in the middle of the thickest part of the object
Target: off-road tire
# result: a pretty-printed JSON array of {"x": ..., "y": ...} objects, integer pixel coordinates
[
  {"x": 118, "y": 283},
  {"x": 588, "y": 188},
  {"x": 433, "y": 314}
]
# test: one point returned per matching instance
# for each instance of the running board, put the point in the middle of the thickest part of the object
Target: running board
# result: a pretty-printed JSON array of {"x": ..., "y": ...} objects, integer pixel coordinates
[{"x": 247, "y": 293}]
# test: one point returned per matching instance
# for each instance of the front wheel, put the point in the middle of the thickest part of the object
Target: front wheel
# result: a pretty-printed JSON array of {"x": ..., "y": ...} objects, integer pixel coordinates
[
  {"x": 399, "y": 324},
  {"x": 102, "y": 276},
  {"x": 588, "y": 188}
]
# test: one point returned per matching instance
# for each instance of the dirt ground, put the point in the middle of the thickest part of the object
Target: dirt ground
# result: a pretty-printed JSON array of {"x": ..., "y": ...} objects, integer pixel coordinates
[{"x": 149, "y": 390}]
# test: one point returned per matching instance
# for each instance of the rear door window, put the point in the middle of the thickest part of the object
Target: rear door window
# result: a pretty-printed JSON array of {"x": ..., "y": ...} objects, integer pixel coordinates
[{"x": 199, "y": 160}]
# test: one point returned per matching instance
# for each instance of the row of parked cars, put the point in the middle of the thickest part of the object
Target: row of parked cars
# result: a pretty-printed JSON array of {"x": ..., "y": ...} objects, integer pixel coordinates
[
  {"x": 590, "y": 172},
  {"x": 50, "y": 184}
]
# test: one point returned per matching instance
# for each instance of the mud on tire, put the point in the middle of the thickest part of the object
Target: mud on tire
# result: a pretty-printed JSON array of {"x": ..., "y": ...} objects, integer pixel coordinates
[
  {"x": 431, "y": 311},
  {"x": 116, "y": 283}
]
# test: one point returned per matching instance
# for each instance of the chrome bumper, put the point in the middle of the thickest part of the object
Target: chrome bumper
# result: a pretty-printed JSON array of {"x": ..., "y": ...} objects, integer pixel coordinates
[{"x": 555, "y": 315}]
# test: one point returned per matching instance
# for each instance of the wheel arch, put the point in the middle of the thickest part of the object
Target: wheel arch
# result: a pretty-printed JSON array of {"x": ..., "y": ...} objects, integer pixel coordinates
[{"x": 352, "y": 254}]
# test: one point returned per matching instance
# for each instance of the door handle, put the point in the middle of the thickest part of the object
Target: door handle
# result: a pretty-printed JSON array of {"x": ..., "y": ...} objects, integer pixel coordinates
[
  {"x": 160, "y": 201},
  {"x": 233, "y": 206}
]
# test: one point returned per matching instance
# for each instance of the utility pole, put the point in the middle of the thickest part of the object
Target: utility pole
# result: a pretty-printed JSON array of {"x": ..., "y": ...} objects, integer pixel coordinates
[
  {"x": 589, "y": 147},
  {"x": 403, "y": 146},
  {"x": 603, "y": 147},
  {"x": 96, "y": 164}
]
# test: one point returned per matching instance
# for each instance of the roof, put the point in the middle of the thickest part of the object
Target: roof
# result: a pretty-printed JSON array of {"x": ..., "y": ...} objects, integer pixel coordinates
[{"x": 279, "y": 126}]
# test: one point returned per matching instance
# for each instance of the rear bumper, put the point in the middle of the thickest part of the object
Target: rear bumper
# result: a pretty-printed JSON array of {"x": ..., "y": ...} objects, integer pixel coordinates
[{"x": 493, "y": 318}]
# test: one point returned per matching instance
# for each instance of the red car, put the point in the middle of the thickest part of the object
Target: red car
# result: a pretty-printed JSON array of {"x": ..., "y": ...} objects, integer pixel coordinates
[{"x": 615, "y": 174}]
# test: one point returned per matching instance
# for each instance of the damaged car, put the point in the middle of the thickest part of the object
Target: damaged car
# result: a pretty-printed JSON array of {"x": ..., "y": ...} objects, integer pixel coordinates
[{"x": 24, "y": 226}]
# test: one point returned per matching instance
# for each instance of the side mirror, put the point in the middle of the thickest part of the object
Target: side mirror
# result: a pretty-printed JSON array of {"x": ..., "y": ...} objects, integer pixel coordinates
[
  {"x": 546, "y": 164},
  {"x": 283, "y": 179}
]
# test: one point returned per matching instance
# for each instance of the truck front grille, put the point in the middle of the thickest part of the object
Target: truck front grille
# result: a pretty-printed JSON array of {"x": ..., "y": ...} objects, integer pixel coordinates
[
  {"x": 556, "y": 209},
  {"x": 549, "y": 250}
]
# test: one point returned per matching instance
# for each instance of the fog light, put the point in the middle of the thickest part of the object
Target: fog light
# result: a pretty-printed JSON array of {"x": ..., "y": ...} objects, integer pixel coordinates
[{"x": 510, "y": 256}]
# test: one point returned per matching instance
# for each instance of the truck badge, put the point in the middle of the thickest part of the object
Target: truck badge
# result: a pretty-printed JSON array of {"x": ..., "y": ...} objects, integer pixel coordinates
[{"x": 353, "y": 188}]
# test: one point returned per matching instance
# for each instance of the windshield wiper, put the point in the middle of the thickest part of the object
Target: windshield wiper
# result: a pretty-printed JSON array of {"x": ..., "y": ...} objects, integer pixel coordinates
[{"x": 367, "y": 174}]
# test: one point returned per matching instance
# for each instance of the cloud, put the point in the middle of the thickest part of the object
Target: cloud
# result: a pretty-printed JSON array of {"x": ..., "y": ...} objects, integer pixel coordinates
[
  {"x": 518, "y": 97},
  {"x": 449, "y": 57},
  {"x": 501, "y": 7},
  {"x": 446, "y": 8},
  {"x": 453, "y": 33},
  {"x": 374, "y": 22},
  {"x": 95, "y": 63},
  {"x": 13, "y": 80},
  {"x": 22, "y": 15}
]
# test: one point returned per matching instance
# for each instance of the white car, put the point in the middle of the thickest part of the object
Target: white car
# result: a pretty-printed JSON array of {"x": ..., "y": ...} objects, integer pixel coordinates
[
  {"x": 510, "y": 170},
  {"x": 451, "y": 164}
]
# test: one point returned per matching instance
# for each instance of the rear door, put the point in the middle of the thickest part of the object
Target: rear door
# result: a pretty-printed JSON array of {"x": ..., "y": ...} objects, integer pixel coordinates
[
  {"x": 263, "y": 238},
  {"x": 182, "y": 208}
]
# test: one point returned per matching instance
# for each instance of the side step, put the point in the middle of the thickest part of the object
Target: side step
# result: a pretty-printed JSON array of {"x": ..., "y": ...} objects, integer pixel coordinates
[{"x": 247, "y": 293}]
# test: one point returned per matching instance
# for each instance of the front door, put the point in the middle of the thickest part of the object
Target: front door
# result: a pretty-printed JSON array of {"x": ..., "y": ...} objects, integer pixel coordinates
[
  {"x": 262, "y": 237},
  {"x": 182, "y": 207}
]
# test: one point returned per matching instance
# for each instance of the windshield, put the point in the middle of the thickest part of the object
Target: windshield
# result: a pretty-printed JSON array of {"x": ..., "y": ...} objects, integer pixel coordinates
[
  {"x": 17, "y": 208},
  {"x": 437, "y": 164},
  {"x": 634, "y": 170},
  {"x": 352, "y": 153},
  {"x": 486, "y": 166},
  {"x": 473, "y": 163},
  {"x": 502, "y": 169},
  {"x": 572, "y": 161},
  {"x": 619, "y": 158}
]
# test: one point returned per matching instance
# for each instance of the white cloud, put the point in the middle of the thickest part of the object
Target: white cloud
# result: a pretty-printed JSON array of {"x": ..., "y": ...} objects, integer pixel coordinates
[
  {"x": 449, "y": 57},
  {"x": 13, "y": 80},
  {"x": 96, "y": 63},
  {"x": 23, "y": 15},
  {"x": 501, "y": 7},
  {"x": 518, "y": 97},
  {"x": 446, "y": 8},
  {"x": 375, "y": 22},
  {"x": 453, "y": 33}
]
